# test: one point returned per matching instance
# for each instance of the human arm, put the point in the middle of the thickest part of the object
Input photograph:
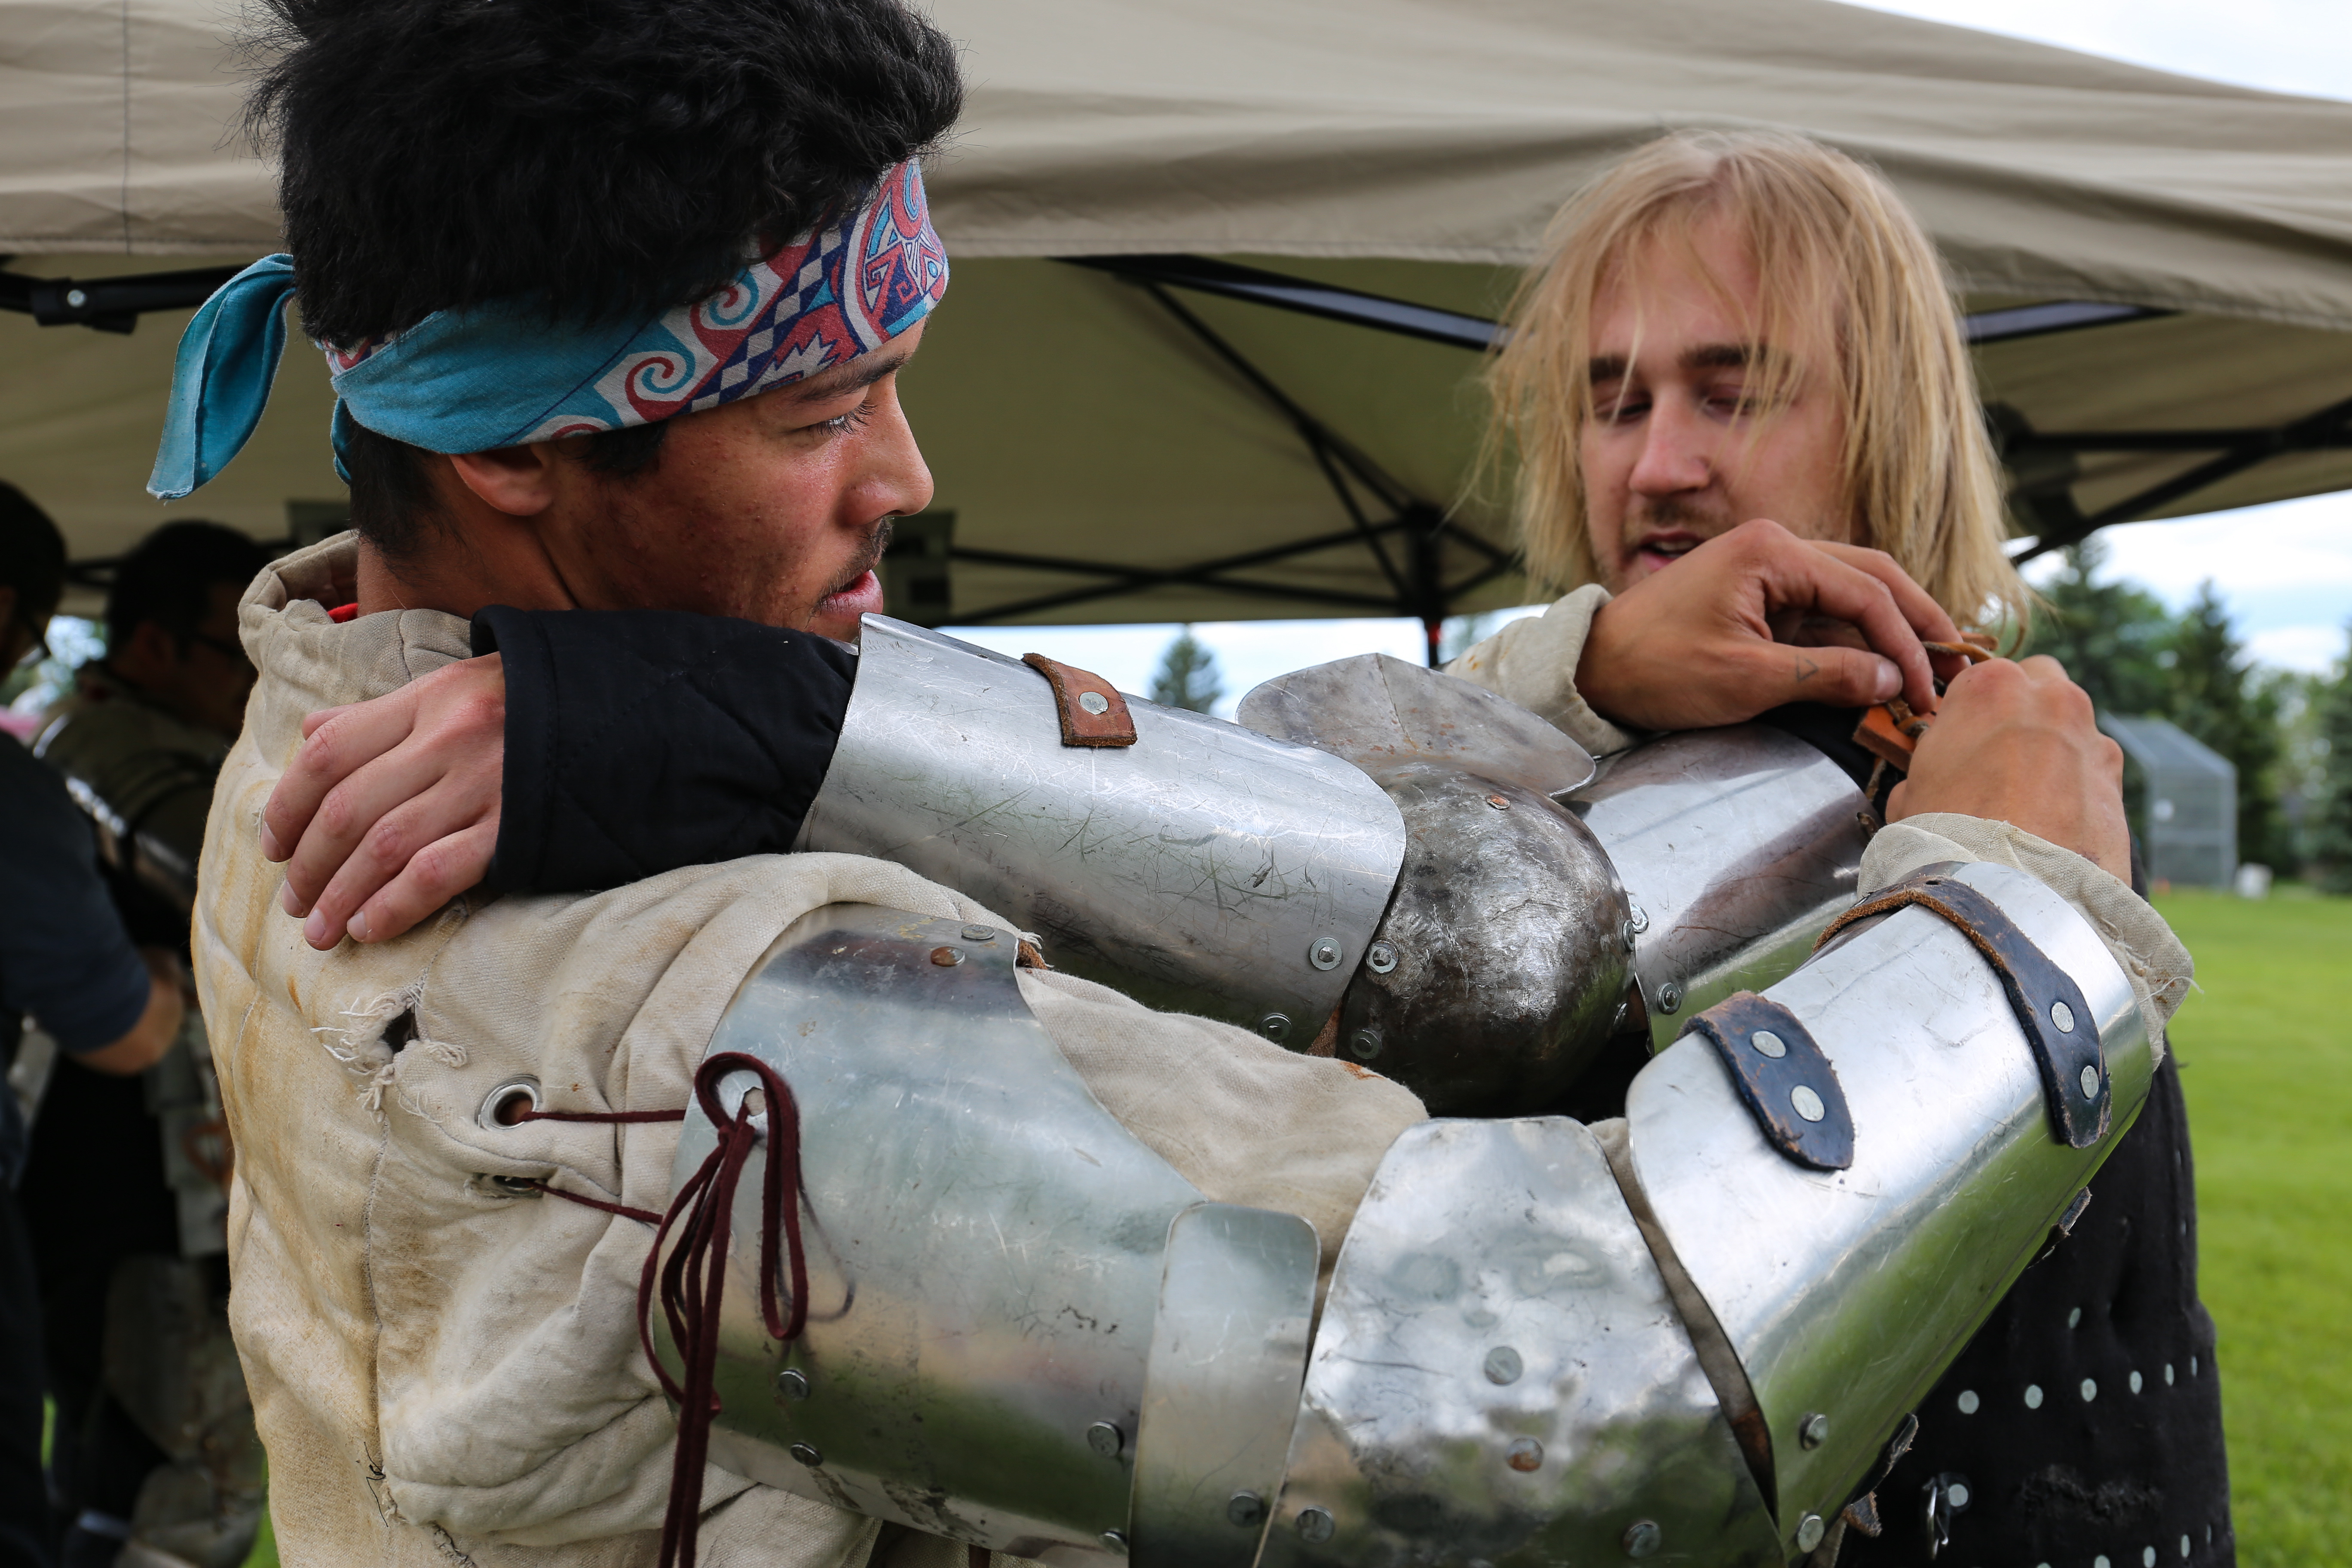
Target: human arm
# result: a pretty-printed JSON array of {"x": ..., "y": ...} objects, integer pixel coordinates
[
  {"x": 144, "y": 1043},
  {"x": 2020, "y": 743},
  {"x": 1746, "y": 622},
  {"x": 581, "y": 749},
  {"x": 65, "y": 957}
]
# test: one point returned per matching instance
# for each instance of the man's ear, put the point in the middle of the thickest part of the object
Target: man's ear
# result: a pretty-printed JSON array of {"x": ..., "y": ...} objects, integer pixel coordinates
[{"x": 517, "y": 480}]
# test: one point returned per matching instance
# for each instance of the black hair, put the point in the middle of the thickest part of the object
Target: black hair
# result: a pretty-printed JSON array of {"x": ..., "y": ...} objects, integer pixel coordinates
[
  {"x": 610, "y": 157},
  {"x": 169, "y": 576},
  {"x": 392, "y": 504},
  {"x": 32, "y": 555},
  {"x": 615, "y": 157}
]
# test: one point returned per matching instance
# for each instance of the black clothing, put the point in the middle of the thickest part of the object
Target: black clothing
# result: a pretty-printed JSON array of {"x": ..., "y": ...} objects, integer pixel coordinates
[
  {"x": 641, "y": 740},
  {"x": 24, "y": 1535},
  {"x": 66, "y": 960},
  {"x": 2064, "y": 1479},
  {"x": 64, "y": 956}
]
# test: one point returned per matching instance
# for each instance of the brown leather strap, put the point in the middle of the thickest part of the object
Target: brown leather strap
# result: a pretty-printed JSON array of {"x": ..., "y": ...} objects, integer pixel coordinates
[
  {"x": 1890, "y": 732},
  {"x": 2049, "y": 1006},
  {"x": 1092, "y": 713},
  {"x": 1783, "y": 1076}
]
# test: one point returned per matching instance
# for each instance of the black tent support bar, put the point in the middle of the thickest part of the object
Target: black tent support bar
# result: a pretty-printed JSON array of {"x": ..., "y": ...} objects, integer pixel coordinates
[
  {"x": 1207, "y": 574},
  {"x": 114, "y": 305},
  {"x": 109, "y": 304},
  {"x": 2328, "y": 430},
  {"x": 1282, "y": 292}
]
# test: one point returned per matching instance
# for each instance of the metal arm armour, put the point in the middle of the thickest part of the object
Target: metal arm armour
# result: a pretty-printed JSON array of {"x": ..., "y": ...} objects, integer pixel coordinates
[
  {"x": 1379, "y": 860},
  {"x": 1688, "y": 1334}
]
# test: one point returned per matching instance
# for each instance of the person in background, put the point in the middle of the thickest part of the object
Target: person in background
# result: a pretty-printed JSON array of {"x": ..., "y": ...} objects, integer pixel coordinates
[
  {"x": 67, "y": 962},
  {"x": 125, "y": 1184}
]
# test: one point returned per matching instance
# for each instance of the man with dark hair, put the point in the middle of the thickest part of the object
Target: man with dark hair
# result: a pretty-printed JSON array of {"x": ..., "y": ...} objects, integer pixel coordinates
[
  {"x": 66, "y": 963},
  {"x": 123, "y": 1187}
]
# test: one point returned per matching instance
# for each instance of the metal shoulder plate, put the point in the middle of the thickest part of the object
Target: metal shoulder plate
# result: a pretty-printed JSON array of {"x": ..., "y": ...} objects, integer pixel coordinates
[
  {"x": 1206, "y": 867},
  {"x": 1501, "y": 1377},
  {"x": 1025, "y": 1329},
  {"x": 1499, "y": 968},
  {"x": 1843, "y": 1293}
]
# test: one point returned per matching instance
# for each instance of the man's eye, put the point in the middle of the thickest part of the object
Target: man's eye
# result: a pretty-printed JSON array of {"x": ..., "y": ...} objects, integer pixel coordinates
[
  {"x": 842, "y": 424},
  {"x": 1621, "y": 408}
]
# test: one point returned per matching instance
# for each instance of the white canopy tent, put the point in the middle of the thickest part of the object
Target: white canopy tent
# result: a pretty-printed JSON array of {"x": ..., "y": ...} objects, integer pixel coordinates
[{"x": 1159, "y": 442}]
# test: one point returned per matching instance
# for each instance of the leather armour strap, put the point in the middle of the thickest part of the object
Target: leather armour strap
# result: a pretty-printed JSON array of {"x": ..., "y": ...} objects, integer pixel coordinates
[
  {"x": 1092, "y": 713},
  {"x": 2049, "y": 1006},
  {"x": 1789, "y": 1085}
]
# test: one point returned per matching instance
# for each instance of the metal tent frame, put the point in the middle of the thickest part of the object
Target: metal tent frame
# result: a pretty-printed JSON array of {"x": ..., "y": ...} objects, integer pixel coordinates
[{"x": 1380, "y": 510}]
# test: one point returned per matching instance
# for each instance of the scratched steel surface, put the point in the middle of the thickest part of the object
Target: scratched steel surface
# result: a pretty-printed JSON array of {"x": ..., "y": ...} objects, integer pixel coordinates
[
  {"x": 1198, "y": 869},
  {"x": 984, "y": 1247},
  {"x": 1845, "y": 1293},
  {"x": 1737, "y": 846}
]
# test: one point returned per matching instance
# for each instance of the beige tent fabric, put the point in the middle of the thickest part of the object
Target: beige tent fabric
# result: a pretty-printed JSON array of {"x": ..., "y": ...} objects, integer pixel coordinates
[
  {"x": 1408, "y": 147},
  {"x": 440, "y": 1366},
  {"x": 1437, "y": 130}
]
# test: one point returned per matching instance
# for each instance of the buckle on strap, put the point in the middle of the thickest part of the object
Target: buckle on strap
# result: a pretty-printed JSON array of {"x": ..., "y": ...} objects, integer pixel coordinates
[
  {"x": 2058, "y": 1024},
  {"x": 1783, "y": 1074}
]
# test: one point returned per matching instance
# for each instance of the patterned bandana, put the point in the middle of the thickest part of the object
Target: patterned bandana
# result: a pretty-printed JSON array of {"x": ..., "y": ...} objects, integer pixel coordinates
[{"x": 499, "y": 375}]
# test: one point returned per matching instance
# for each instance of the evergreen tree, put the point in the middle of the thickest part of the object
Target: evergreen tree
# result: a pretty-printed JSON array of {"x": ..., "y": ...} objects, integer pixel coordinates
[
  {"x": 2111, "y": 637},
  {"x": 2217, "y": 696},
  {"x": 1187, "y": 677},
  {"x": 2329, "y": 822}
]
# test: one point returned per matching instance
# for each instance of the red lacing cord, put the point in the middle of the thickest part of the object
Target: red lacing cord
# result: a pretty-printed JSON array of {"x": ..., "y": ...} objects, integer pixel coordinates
[
  {"x": 649, "y": 1217},
  {"x": 692, "y": 1280},
  {"x": 678, "y": 1115},
  {"x": 696, "y": 1273}
]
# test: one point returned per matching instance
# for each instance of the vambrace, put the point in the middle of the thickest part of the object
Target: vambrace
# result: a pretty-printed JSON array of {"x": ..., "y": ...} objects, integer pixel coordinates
[
  {"x": 1379, "y": 860},
  {"x": 1688, "y": 1334}
]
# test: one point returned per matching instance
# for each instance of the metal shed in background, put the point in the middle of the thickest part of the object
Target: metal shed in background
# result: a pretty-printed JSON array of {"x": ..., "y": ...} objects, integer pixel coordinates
[{"x": 2188, "y": 804}]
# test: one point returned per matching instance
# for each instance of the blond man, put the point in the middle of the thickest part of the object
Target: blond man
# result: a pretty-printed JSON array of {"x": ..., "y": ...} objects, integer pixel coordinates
[{"x": 1747, "y": 424}]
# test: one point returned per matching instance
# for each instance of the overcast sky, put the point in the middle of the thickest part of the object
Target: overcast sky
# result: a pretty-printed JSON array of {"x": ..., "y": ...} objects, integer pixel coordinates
[{"x": 2292, "y": 594}]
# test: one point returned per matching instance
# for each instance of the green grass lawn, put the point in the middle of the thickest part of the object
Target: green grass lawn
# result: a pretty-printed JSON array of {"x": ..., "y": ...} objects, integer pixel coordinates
[
  {"x": 2266, "y": 1056},
  {"x": 2266, "y": 1052}
]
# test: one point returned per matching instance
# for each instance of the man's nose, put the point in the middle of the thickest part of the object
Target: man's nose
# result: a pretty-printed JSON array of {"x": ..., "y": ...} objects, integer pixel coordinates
[
  {"x": 896, "y": 475},
  {"x": 1676, "y": 451}
]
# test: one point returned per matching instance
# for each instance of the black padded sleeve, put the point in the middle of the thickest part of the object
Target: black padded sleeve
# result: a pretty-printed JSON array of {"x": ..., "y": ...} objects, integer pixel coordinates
[{"x": 641, "y": 740}]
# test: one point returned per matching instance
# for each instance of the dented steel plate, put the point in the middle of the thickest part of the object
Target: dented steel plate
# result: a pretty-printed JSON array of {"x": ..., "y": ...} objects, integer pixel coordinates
[
  {"x": 1846, "y": 1293},
  {"x": 1200, "y": 867},
  {"x": 1378, "y": 713},
  {"x": 1500, "y": 1376},
  {"x": 984, "y": 1247}
]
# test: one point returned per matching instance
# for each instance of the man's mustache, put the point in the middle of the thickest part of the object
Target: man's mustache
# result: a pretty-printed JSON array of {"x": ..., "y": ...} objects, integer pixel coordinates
[
  {"x": 878, "y": 544},
  {"x": 1671, "y": 512}
]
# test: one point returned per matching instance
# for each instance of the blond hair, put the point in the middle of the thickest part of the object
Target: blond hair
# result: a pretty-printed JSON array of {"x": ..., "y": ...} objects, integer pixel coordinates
[{"x": 1831, "y": 242}]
